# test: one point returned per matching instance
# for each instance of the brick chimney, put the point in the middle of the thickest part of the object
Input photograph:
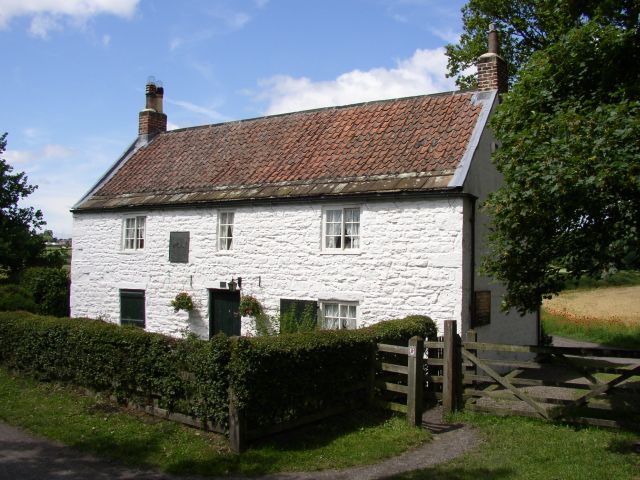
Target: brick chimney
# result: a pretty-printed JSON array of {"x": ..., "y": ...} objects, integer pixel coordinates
[
  {"x": 151, "y": 120},
  {"x": 492, "y": 69}
]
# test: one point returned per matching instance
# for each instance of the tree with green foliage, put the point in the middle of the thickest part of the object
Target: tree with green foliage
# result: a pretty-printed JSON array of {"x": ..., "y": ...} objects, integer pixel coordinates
[
  {"x": 570, "y": 155},
  {"x": 20, "y": 243},
  {"x": 527, "y": 26},
  {"x": 49, "y": 290}
]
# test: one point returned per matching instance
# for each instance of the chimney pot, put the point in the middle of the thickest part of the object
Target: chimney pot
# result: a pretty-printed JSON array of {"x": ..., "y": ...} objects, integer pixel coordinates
[
  {"x": 152, "y": 120},
  {"x": 494, "y": 46},
  {"x": 492, "y": 69},
  {"x": 159, "y": 96}
]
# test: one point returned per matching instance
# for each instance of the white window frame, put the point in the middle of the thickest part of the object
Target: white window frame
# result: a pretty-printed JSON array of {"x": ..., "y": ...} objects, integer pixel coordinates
[
  {"x": 344, "y": 319},
  {"x": 342, "y": 248},
  {"x": 139, "y": 230},
  {"x": 227, "y": 246}
]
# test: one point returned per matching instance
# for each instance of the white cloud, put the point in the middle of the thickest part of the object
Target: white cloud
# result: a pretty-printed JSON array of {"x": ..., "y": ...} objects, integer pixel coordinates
[
  {"x": 423, "y": 73},
  {"x": 50, "y": 151},
  {"x": 31, "y": 133},
  {"x": 55, "y": 199},
  {"x": 175, "y": 43},
  {"x": 261, "y": 3},
  {"x": 41, "y": 25},
  {"x": 207, "y": 112},
  {"x": 106, "y": 40},
  {"x": 447, "y": 34},
  {"x": 238, "y": 20},
  {"x": 172, "y": 126},
  {"x": 49, "y": 14},
  {"x": 204, "y": 68},
  {"x": 53, "y": 150},
  {"x": 234, "y": 20},
  {"x": 400, "y": 18},
  {"x": 17, "y": 157}
]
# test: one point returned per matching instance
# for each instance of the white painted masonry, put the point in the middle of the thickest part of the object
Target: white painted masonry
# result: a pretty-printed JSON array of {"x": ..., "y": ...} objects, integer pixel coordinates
[{"x": 410, "y": 261}]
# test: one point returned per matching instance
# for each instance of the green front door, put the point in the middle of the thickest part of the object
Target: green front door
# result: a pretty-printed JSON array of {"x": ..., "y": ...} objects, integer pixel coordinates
[{"x": 224, "y": 312}]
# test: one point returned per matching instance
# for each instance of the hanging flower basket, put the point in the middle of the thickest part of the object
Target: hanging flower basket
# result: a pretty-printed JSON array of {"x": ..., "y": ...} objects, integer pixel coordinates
[
  {"x": 183, "y": 301},
  {"x": 250, "y": 306}
]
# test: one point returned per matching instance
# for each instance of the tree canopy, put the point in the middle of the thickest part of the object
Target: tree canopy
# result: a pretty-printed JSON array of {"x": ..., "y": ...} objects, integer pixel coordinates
[
  {"x": 527, "y": 26},
  {"x": 570, "y": 146},
  {"x": 20, "y": 243}
]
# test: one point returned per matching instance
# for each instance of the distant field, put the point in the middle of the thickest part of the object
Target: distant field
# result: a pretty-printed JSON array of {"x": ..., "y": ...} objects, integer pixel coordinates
[
  {"x": 615, "y": 304},
  {"x": 607, "y": 315}
]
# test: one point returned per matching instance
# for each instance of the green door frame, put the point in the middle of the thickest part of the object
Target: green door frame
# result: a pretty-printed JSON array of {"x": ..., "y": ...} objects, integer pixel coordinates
[{"x": 224, "y": 312}]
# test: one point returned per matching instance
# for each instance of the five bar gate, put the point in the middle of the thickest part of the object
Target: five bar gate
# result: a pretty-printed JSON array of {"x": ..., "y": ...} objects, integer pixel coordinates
[{"x": 598, "y": 386}]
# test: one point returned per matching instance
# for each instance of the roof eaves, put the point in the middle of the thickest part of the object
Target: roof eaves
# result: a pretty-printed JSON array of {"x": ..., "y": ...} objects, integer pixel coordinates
[
  {"x": 327, "y": 197},
  {"x": 293, "y": 190},
  {"x": 488, "y": 100}
]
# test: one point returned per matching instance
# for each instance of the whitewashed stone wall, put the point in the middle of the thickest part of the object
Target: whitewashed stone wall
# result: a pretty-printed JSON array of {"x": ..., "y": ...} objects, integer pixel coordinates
[{"x": 410, "y": 261}]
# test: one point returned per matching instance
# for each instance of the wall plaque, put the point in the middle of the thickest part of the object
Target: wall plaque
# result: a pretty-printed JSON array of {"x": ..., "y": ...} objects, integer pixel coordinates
[{"x": 179, "y": 247}]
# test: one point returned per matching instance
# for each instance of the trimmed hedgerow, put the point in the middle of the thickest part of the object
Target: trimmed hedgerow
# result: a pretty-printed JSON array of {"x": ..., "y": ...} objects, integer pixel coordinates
[
  {"x": 189, "y": 375},
  {"x": 275, "y": 379},
  {"x": 280, "y": 379}
]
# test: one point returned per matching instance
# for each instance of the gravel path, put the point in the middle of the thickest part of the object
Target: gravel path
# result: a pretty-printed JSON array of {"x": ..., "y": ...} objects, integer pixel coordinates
[{"x": 26, "y": 457}]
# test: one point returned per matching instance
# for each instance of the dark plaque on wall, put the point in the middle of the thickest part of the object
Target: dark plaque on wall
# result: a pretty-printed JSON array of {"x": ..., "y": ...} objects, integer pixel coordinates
[
  {"x": 482, "y": 314},
  {"x": 179, "y": 247}
]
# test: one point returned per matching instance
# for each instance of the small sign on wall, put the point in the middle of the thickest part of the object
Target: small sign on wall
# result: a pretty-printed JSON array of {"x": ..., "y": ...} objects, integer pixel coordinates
[
  {"x": 179, "y": 247},
  {"x": 482, "y": 308}
]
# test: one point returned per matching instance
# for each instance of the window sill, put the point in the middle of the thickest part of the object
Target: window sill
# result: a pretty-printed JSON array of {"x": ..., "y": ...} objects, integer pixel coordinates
[
  {"x": 138, "y": 251},
  {"x": 340, "y": 252}
]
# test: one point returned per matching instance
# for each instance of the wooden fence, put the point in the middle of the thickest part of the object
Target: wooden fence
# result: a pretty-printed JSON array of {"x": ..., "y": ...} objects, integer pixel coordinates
[
  {"x": 597, "y": 386},
  {"x": 583, "y": 385}
]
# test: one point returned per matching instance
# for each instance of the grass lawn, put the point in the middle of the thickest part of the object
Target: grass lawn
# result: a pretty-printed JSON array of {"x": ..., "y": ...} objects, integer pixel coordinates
[
  {"x": 93, "y": 425},
  {"x": 523, "y": 448}
]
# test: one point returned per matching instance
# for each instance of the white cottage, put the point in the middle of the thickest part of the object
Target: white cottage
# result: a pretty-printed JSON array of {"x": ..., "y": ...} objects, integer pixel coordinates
[{"x": 367, "y": 212}]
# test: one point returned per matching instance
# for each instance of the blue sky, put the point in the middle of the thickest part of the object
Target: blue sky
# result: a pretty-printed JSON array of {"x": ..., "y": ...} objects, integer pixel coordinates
[{"x": 74, "y": 71}]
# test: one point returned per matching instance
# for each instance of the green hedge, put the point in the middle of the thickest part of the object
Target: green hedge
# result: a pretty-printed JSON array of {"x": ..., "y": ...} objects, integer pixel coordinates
[
  {"x": 276, "y": 379},
  {"x": 279, "y": 379},
  {"x": 189, "y": 375}
]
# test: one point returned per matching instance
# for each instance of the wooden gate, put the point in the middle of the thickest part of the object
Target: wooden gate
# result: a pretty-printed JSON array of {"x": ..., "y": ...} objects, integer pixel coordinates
[
  {"x": 402, "y": 375},
  {"x": 598, "y": 386}
]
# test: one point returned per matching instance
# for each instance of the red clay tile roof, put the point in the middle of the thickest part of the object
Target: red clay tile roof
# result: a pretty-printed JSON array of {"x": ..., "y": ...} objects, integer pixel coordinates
[{"x": 407, "y": 143}]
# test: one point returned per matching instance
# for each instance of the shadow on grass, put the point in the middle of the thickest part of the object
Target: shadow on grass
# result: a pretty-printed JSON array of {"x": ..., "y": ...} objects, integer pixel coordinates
[
  {"x": 323, "y": 433},
  {"x": 624, "y": 446},
  {"x": 456, "y": 473},
  {"x": 276, "y": 453},
  {"x": 272, "y": 454}
]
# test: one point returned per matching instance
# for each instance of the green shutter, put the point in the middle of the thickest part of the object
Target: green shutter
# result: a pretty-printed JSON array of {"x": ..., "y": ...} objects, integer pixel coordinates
[{"x": 132, "y": 308}]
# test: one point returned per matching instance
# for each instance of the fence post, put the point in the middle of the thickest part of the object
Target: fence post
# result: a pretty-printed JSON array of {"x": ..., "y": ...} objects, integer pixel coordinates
[
  {"x": 415, "y": 381},
  {"x": 237, "y": 425},
  {"x": 450, "y": 368},
  {"x": 371, "y": 375}
]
